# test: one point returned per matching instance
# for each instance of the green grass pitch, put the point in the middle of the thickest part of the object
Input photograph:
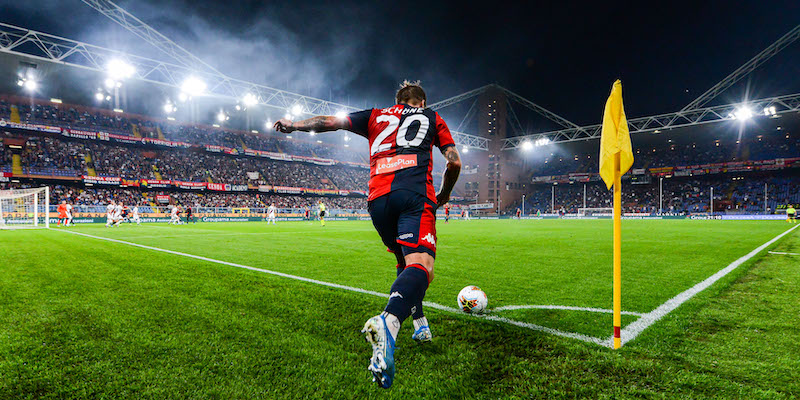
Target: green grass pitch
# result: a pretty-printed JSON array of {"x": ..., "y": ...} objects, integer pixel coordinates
[{"x": 88, "y": 318}]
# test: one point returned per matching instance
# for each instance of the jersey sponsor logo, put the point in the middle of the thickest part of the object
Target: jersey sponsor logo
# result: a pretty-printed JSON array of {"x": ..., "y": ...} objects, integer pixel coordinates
[
  {"x": 406, "y": 236},
  {"x": 430, "y": 239},
  {"x": 395, "y": 294},
  {"x": 385, "y": 165}
]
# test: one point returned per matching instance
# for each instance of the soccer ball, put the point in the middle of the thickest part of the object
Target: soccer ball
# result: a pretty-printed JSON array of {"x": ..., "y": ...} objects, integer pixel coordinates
[{"x": 472, "y": 300}]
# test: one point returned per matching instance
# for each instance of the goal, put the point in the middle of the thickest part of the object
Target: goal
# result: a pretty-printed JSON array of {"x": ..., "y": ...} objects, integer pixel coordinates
[
  {"x": 596, "y": 212},
  {"x": 25, "y": 208}
]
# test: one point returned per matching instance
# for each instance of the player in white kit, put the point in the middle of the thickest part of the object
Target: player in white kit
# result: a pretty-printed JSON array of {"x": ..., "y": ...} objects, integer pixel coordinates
[
  {"x": 136, "y": 215},
  {"x": 110, "y": 213},
  {"x": 174, "y": 216},
  {"x": 271, "y": 214},
  {"x": 69, "y": 214},
  {"x": 117, "y": 214}
]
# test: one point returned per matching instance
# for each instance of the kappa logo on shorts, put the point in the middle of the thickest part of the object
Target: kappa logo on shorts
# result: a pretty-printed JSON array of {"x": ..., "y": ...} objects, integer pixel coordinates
[
  {"x": 396, "y": 294},
  {"x": 430, "y": 239},
  {"x": 406, "y": 236}
]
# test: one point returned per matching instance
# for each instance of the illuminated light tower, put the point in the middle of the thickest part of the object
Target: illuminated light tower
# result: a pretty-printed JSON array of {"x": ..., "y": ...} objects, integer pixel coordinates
[
  {"x": 341, "y": 114},
  {"x": 193, "y": 86},
  {"x": 297, "y": 110},
  {"x": 31, "y": 85},
  {"x": 118, "y": 70},
  {"x": 249, "y": 99},
  {"x": 527, "y": 145}
]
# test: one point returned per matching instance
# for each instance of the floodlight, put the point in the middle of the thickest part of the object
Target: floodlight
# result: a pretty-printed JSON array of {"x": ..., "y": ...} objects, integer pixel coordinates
[
  {"x": 527, "y": 145},
  {"x": 169, "y": 108},
  {"x": 288, "y": 116},
  {"x": 31, "y": 85},
  {"x": 238, "y": 107},
  {"x": 297, "y": 109},
  {"x": 183, "y": 97},
  {"x": 249, "y": 100},
  {"x": 119, "y": 69},
  {"x": 743, "y": 113},
  {"x": 268, "y": 124},
  {"x": 312, "y": 133},
  {"x": 193, "y": 86},
  {"x": 465, "y": 150},
  {"x": 99, "y": 96},
  {"x": 221, "y": 116},
  {"x": 20, "y": 82},
  {"x": 341, "y": 114}
]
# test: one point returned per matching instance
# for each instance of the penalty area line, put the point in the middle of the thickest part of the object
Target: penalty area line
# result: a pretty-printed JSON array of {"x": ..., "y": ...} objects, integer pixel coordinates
[
  {"x": 635, "y": 328},
  {"x": 572, "y": 335}
]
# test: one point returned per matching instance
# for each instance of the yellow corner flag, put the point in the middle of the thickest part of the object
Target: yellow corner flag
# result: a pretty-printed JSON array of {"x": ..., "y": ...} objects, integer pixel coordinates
[{"x": 616, "y": 158}]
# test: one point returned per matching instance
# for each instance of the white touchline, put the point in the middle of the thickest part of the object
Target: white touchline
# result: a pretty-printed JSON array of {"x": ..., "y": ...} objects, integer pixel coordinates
[
  {"x": 572, "y": 335},
  {"x": 784, "y": 254},
  {"x": 630, "y": 332}
]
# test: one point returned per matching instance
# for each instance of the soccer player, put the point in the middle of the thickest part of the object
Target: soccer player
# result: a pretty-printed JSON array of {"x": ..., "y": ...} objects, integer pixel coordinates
[
  {"x": 308, "y": 214},
  {"x": 519, "y": 213},
  {"x": 446, "y": 213},
  {"x": 69, "y": 215},
  {"x": 466, "y": 214},
  {"x": 136, "y": 215},
  {"x": 271, "y": 214},
  {"x": 189, "y": 216},
  {"x": 117, "y": 217},
  {"x": 110, "y": 213},
  {"x": 402, "y": 205},
  {"x": 791, "y": 214},
  {"x": 174, "y": 215},
  {"x": 62, "y": 213},
  {"x": 322, "y": 212}
]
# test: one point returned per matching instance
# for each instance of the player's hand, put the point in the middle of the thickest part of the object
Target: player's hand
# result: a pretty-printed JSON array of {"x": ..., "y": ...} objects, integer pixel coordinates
[
  {"x": 442, "y": 199},
  {"x": 284, "y": 125}
]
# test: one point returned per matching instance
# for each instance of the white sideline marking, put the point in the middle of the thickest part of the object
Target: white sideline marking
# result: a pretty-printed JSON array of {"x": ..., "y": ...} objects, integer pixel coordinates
[
  {"x": 572, "y": 335},
  {"x": 784, "y": 254},
  {"x": 630, "y": 332},
  {"x": 570, "y": 308}
]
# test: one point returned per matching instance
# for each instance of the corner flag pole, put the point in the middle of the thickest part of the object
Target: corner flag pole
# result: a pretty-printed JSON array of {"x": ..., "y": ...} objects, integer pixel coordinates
[
  {"x": 617, "y": 253},
  {"x": 616, "y": 158}
]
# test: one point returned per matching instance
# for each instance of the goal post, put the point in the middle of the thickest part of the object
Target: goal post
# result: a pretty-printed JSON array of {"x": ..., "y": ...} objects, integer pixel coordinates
[
  {"x": 25, "y": 208},
  {"x": 596, "y": 212}
]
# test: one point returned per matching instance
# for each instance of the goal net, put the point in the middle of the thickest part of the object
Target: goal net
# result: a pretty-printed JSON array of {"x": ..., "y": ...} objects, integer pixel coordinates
[
  {"x": 596, "y": 212},
  {"x": 25, "y": 208}
]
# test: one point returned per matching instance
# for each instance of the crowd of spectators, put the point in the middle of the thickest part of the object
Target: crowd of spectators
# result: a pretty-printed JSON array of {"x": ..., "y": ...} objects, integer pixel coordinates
[
  {"x": 83, "y": 118},
  {"x": 98, "y": 196},
  {"x": 42, "y": 154},
  {"x": 680, "y": 195},
  {"x": 672, "y": 153}
]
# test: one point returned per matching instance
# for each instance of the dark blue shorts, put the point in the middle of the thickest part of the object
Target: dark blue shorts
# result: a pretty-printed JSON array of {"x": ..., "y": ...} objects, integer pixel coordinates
[{"x": 406, "y": 222}]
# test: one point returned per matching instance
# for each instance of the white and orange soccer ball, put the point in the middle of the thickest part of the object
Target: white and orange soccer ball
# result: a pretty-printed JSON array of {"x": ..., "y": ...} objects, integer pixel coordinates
[{"x": 473, "y": 300}]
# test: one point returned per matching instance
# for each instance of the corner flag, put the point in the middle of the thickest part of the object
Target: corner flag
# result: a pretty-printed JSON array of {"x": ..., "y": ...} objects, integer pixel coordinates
[
  {"x": 616, "y": 158},
  {"x": 615, "y": 138}
]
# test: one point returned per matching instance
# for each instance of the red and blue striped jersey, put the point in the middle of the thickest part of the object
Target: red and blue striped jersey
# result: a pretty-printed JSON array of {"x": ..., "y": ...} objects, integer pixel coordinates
[{"x": 401, "y": 140}]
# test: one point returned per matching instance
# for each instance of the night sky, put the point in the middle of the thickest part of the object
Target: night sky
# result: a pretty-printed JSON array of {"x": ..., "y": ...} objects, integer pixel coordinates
[{"x": 562, "y": 56}]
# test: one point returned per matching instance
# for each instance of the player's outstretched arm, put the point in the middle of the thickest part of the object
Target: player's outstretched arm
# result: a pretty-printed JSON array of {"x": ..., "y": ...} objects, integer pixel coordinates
[
  {"x": 317, "y": 124},
  {"x": 451, "y": 173}
]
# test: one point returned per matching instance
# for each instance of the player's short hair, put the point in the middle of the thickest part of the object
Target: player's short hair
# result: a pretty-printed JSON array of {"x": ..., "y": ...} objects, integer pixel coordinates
[{"x": 410, "y": 91}]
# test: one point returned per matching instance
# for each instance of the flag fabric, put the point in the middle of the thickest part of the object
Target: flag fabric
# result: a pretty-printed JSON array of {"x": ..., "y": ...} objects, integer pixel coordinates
[{"x": 615, "y": 137}]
